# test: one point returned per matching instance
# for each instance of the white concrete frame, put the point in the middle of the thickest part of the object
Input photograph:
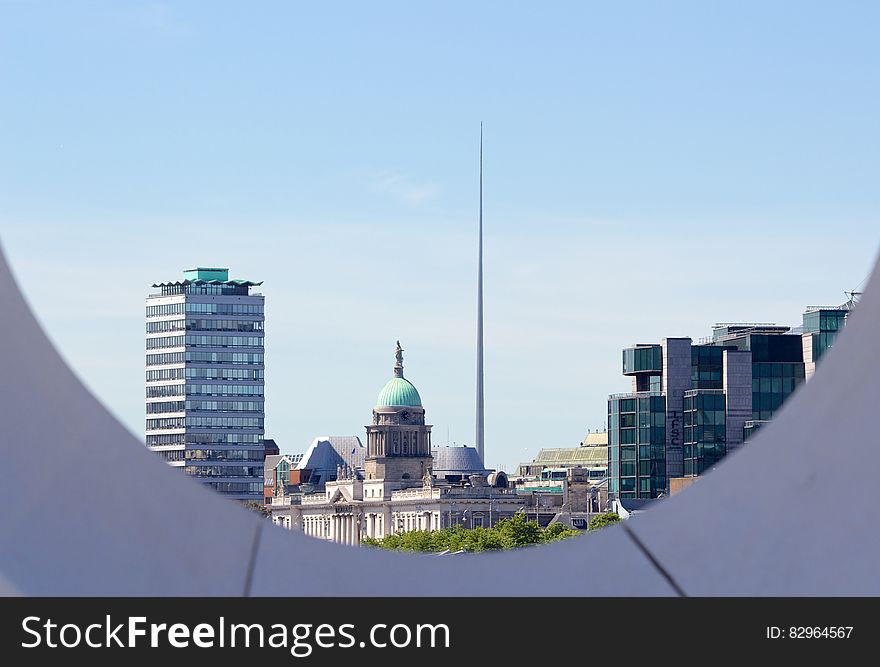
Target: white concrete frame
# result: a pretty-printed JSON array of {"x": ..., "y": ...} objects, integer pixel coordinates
[{"x": 791, "y": 513}]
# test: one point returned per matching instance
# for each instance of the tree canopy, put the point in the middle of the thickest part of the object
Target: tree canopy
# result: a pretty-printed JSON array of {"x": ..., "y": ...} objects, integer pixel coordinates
[
  {"x": 506, "y": 534},
  {"x": 602, "y": 520}
]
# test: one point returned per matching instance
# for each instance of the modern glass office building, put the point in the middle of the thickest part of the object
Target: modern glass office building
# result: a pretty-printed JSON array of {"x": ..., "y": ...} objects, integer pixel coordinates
[
  {"x": 205, "y": 371},
  {"x": 637, "y": 445},
  {"x": 821, "y": 326},
  {"x": 691, "y": 403},
  {"x": 777, "y": 365}
]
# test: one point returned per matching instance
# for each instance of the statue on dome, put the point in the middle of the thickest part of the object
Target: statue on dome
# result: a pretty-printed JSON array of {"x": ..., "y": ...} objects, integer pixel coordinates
[{"x": 398, "y": 366}]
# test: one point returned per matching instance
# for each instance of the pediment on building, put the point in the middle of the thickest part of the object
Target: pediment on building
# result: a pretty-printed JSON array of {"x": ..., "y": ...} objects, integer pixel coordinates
[{"x": 341, "y": 495}]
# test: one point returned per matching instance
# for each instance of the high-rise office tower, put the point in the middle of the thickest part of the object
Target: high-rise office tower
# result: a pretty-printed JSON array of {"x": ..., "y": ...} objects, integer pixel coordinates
[{"x": 205, "y": 378}]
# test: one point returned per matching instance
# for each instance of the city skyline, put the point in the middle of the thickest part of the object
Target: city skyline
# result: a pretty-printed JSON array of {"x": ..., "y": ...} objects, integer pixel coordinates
[{"x": 634, "y": 189}]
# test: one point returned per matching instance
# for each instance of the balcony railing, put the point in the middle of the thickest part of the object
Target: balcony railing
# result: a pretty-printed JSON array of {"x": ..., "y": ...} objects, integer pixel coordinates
[
  {"x": 405, "y": 494},
  {"x": 693, "y": 392},
  {"x": 636, "y": 394}
]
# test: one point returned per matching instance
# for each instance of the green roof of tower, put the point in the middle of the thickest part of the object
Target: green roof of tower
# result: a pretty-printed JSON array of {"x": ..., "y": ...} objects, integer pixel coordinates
[
  {"x": 202, "y": 273},
  {"x": 398, "y": 391}
]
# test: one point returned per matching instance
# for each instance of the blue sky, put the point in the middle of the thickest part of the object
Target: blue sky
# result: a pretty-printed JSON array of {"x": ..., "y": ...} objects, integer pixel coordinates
[{"x": 651, "y": 168}]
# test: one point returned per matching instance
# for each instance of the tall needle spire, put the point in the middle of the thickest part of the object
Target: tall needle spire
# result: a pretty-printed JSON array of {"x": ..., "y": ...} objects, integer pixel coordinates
[{"x": 480, "y": 426}]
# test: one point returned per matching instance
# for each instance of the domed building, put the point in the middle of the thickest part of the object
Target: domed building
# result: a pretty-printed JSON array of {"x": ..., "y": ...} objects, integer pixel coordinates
[
  {"x": 398, "y": 441},
  {"x": 455, "y": 464},
  {"x": 399, "y": 490}
]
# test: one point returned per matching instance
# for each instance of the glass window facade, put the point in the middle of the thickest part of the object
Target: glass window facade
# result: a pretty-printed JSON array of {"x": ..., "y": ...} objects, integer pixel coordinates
[
  {"x": 707, "y": 366},
  {"x": 637, "y": 445},
  {"x": 823, "y": 325},
  {"x": 643, "y": 359},
  {"x": 772, "y": 384},
  {"x": 208, "y": 405},
  {"x": 705, "y": 430}
]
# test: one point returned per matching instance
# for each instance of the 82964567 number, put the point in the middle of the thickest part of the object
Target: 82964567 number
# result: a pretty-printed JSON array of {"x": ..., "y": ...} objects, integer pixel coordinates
[{"x": 811, "y": 632}]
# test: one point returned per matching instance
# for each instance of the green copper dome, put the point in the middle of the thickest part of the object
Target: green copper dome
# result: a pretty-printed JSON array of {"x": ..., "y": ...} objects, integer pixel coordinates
[{"x": 398, "y": 391}]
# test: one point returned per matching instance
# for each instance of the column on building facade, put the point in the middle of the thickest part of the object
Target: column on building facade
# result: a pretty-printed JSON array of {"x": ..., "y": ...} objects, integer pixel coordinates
[
  {"x": 676, "y": 380},
  {"x": 387, "y": 520},
  {"x": 738, "y": 394}
]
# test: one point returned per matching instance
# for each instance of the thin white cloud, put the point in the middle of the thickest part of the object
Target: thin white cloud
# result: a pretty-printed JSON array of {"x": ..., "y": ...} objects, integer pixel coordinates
[{"x": 404, "y": 188}]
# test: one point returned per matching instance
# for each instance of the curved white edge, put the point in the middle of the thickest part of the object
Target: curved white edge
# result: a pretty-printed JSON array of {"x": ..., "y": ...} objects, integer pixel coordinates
[
  {"x": 105, "y": 517},
  {"x": 601, "y": 564},
  {"x": 88, "y": 510}
]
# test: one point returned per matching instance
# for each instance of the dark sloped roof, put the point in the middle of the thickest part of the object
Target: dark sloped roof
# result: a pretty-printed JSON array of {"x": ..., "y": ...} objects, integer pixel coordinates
[{"x": 456, "y": 461}]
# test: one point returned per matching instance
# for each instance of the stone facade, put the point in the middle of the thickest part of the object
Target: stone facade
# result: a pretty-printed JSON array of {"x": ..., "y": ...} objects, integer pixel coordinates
[{"x": 398, "y": 491}]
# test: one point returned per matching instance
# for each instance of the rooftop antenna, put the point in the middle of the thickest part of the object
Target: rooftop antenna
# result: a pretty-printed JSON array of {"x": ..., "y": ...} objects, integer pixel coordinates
[{"x": 480, "y": 406}]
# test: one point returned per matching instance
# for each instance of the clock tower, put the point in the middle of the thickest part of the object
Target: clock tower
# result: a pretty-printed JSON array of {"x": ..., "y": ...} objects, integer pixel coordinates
[{"x": 398, "y": 441}]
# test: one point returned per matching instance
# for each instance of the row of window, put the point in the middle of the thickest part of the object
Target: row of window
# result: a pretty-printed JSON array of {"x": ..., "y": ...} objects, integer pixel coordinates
[
  {"x": 642, "y": 419},
  {"x": 241, "y": 406},
  {"x": 647, "y": 487},
  {"x": 225, "y": 308},
  {"x": 225, "y": 374},
  {"x": 226, "y": 289},
  {"x": 205, "y": 341},
  {"x": 224, "y": 389},
  {"x": 225, "y": 471},
  {"x": 217, "y": 439},
  {"x": 223, "y": 325},
  {"x": 225, "y": 454},
  {"x": 204, "y": 325},
  {"x": 655, "y": 450},
  {"x": 168, "y": 374},
  {"x": 239, "y": 488},
  {"x": 224, "y": 406},
  {"x": 637, "y": 404},
  {"x": 166, "y": 309},
  {"x": 165, "y": 341},
  {"x": 647, "y": 468},
  {"x": 226, "y": 357},
  {"x": 204, "y": 422},
  {"x": 165, "y": 374},
  {"x": 167, "y": 406},
  {"x": 171, "y": 455},
  {"x": 164, "y": 390},
  {"x": 166, "y": 325},
  {"x": 164, "y": 358},
  {"x": 206, "y": 308},
  {"x": 777, "y": 370},
  {"x": 213, "y": 439},
  {"x": 225, "y": 422},
  {"x": 169, "y": 390},
  {"x": 170, "y": 422},
  {"x": 693, "y": 434},
  {"x": 629, "y": 436}
]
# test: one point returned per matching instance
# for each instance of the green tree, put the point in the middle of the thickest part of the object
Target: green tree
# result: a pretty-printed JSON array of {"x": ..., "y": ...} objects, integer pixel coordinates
[
  {"x": 557, "y": 531},
  {"x": 511, "y": 533},
  {"x": 602, "y": 520}
]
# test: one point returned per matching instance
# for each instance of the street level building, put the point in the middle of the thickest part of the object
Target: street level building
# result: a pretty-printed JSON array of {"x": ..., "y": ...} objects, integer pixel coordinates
[{"x": 205, "y": 380}]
